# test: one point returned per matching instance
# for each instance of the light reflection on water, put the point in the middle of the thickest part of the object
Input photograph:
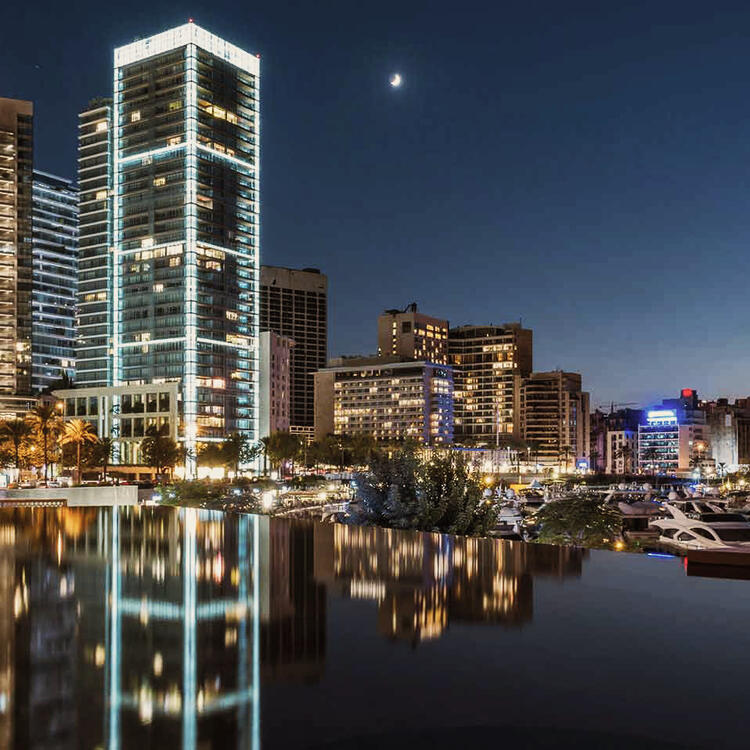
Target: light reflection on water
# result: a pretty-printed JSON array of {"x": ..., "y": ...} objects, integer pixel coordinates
[{"x": 140, "y": 628}]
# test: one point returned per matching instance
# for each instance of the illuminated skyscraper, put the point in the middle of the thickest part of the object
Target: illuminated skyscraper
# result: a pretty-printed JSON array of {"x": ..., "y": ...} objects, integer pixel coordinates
[
  {"x": 181, "y": 193},
  {"x": 16, "y": 149},
  {"x": 94, "y": 313},
  {"x": 53, "y": 302}
]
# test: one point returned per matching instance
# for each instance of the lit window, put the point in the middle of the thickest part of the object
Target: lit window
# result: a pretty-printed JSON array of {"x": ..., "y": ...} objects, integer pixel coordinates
[
  {"x": 101, "y": 195},
  {"x": 135, "y": 116},
  {"x": 175, "y": 105},
  {"x": 158, "y": 287},
  {"x": 231, "y": 315},
  {"x": 174, "y": 140},
  {"x": 147, "y": 242},
  {"x": 101, "y": 126},
  {"x": 160, "y": 181}
]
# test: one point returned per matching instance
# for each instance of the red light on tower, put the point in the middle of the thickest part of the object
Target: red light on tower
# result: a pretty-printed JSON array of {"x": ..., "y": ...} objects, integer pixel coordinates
[
  {"x": 190, "y": 20},
  {"x": 687, "y": 392}
]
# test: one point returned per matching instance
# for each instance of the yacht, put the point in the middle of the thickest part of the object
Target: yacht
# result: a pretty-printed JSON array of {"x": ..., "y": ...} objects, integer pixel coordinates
[{"x": 708, "y": 530}]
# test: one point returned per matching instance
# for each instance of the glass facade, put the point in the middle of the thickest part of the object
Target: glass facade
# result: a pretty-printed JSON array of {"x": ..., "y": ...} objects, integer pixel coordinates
[
  {"x": 94, "y": 314},
  {"x": 186, "y": 226},
  {"x": 55, "y": 220}
]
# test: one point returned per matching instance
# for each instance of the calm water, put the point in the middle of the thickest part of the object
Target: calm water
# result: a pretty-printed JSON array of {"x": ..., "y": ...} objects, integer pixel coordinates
[{"x": 176, "y": 629}]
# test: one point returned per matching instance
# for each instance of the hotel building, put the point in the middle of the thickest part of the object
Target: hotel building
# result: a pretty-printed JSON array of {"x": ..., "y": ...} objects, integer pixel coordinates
[
  {"x": 555, "y": 419},
  {"x": 16, "y": 257},
  {"x": 488, "y": 362},
  {"x": 411, "y": 334},
  {"x": 182, "y": 207},
  {"x": 53, "y": 303},
  {"x": 386, "y": 398},
  {"x": 294, "y": 303}
]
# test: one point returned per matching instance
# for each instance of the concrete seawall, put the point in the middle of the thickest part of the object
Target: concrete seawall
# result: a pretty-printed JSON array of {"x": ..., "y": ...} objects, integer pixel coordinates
[{"x": 76, "y": 497}]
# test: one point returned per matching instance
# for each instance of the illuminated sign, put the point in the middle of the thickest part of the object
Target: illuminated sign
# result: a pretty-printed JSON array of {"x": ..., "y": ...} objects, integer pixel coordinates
[{"x": 662, "y": 416}]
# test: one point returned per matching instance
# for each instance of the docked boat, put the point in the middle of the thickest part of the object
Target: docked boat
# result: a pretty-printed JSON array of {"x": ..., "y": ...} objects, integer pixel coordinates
[{"x": 707, "y": 531}]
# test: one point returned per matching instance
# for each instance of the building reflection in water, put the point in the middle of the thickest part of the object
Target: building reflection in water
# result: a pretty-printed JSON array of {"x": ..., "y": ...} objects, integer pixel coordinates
[
  {"x": 423, "y": 581},
  {"x": 145, "y": 628}
]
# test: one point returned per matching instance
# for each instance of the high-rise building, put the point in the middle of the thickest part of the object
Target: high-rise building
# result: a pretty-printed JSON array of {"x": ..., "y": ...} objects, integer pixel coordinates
[
  {"x": 294, "y": 303},
  {"x": 182, "y": 206},
  {"x": 16, "y": 178},
  {"x": 488, "y": 362},
  {"x": 386, "y": 398},
  {"x": 555, "y": 419},
  {"x": 274, "y": 388},
  {"x": 95, "y": 274},
  {"x": 411, "y": 334},
  {"x": 53, "y": 302}
]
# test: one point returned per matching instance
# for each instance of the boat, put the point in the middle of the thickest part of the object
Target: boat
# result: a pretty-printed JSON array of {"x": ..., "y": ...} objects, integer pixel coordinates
[{"x": 727, "y": 531}]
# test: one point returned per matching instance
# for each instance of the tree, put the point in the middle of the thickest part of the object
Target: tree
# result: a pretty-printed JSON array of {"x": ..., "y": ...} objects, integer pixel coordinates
[
  {"x": 78, "y": 432},
  {"x": 237, "y": 449},
  {"x": 565, "y": 453},
  {"x": 17, "y": 432},
  {"x": 159, "y": 450},
  {"x": 580, "y": 520},
  {"x": 443, "y": 494},
  {"x": 280, "y": 447},
  {"x": 101, "y": 454},
  {"x": 45, "y": 423}
]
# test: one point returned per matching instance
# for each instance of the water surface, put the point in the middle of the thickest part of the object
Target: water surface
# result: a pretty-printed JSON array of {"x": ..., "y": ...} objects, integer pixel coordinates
[{"x": 164, "y": 628}]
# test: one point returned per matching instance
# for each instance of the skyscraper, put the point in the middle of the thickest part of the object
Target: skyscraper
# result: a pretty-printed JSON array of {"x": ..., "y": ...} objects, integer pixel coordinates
[
  {"x": 181, "y": 292},
  {"x": 53, "y": 302},
  {"x": 294, "y": 303},
  {"x": 16, "y": 152},
  {"x": 95, "y": 276},
  {"x": 487, "y": 364}
]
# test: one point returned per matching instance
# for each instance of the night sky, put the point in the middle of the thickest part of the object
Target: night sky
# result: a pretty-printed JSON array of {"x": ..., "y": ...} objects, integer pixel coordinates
[{"x": 582, "y": 166}]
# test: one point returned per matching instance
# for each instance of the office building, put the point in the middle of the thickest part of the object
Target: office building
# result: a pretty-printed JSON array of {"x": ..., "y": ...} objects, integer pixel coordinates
[
  {"x": 274, "y": 388},
  {"x": 555, "y": 419},
  {"x": 411, "y": 334},
  {"x": 95, "y": 272},
  {"x": 182, "y": 206},
  {"x": 53, "y": 302},
  {"x": 16, "y": 258},
  {"x": 386, "y": 398},
  {"x": 488, "y": 363},
  {"x": 294, "y": 303},
  {"x": 623, "y": 424},
  {"x": 673, "y": 437}
]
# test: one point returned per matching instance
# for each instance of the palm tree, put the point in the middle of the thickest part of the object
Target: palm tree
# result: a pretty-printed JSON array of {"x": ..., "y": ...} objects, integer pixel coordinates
[
  {"x": 45, "y": 421},
  {"x": 17, "y": 432},
  {"x": 102, "y": 453},
  {"x": 565, "y": 452},
  {"x": 78, "y": 432}
]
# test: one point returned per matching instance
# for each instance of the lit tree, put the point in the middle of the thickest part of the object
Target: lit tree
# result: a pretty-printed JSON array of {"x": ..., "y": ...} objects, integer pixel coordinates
[
  {"x": 17, "y": 432},
  {"x": 580, "y": 520},
  {"x": 78, "y": 432},
  {"x": 45, "y": 423},
  {"x": 101, "y": 454}
]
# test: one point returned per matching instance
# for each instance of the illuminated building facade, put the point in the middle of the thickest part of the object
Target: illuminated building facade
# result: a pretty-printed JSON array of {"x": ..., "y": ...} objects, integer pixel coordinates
[
  {"x": 411, "y": 334},
  {"x": 621, "y": 451},
  {"x": 95, "y": 275},
  {"x": 673, "y": 437},
  {"x": 555, "y": 419},
  {"x": 182, "y": 206},
  {"x": 53, "y": 304},
  {"x": 294, "y": 303},
  {"x": 488, "y": 362},
  {"x": 385, "y": 398},
  {"x": 125, "y": 413},
  {"x": 275, "y": 386},
  {"x": 16, "y": 257}
]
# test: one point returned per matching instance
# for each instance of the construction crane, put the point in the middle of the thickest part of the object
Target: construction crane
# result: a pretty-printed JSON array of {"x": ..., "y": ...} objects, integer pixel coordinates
[{"x": 619, "y": 405}]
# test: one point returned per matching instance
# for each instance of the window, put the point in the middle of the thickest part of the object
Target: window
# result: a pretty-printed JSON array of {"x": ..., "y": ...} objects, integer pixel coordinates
[
  {"x": 135, "y": 116},
  {"x": 175, "y": 105},
  {"x": 151, "y": 402},
  {"x": 101, "y": 195},
  {"x": 160, "y": 181},
  {"x": 93, "y": 405},
  {"x": 164, "y": 402},
  {"x": 406, "y": 327},
  {"x": 101, "y": 126}
]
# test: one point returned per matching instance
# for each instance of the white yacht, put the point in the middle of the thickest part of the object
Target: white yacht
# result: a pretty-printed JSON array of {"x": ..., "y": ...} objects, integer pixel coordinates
[{"x": 708, "y": 530}]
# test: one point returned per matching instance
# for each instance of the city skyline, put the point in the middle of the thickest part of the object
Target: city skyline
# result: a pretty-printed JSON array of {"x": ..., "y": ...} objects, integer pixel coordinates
[{"x": 606, "y": 215}]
